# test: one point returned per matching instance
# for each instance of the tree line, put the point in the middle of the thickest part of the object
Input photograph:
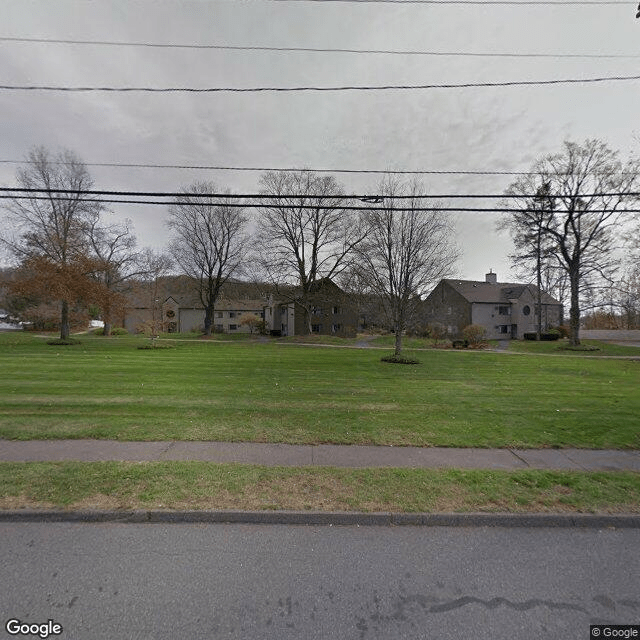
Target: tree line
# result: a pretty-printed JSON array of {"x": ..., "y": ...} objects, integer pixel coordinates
[{"x": 568, "y": 210}]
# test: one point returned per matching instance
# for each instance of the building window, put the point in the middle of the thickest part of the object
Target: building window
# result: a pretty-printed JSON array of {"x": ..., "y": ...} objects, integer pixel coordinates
[
  {"x": 335, "y": 328},
  {"x": 336, "y": 310},
  {"x": 316, "y": 328},
  {"x": 233, "y": 327},
  {"x": 218, "y": 314},
  {"x": 504, "y": 328},
  {"x": 219, "y": 327},
  {"x": 232, "y": 314},
  {"x": 503, "y": 311},
  {"x": 526, "y": 310}
]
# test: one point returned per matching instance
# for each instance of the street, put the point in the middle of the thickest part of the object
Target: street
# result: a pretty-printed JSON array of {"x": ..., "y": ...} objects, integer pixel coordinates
[{"x": 185, "y": 581}]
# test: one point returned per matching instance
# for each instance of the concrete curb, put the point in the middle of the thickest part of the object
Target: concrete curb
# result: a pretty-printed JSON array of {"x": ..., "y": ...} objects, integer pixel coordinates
[{"x": 330, "y": 518}]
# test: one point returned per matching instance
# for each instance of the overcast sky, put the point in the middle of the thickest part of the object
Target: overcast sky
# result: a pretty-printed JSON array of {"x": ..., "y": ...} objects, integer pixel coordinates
[{"x": 489, "y": 129}]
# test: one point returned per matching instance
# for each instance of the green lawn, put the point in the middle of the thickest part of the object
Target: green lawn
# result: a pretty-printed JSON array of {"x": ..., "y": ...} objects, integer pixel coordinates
[
  {"x": 198, "y": 485},
  {"x": 561, "y": 347},
  {"x": 247, "y": 390}
]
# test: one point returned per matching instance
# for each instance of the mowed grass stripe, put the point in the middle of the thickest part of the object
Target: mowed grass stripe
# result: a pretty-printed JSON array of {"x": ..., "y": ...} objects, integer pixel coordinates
[{"x": 107, "y": 388}]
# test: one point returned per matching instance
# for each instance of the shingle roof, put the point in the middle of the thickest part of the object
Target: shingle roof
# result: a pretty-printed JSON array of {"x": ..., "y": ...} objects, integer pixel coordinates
[{"x": 498, "y": 293}]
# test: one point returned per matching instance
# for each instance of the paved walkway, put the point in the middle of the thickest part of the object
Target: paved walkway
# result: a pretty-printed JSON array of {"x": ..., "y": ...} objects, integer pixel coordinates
[{"x": 320, "y": 455}]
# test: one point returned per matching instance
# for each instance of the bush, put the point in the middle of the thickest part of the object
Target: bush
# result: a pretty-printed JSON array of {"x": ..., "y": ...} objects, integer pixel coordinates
[
  {"x": 552, "y": 334},
  {"x": 115, "y": 331},
  {"x": 474, "y": 335}
]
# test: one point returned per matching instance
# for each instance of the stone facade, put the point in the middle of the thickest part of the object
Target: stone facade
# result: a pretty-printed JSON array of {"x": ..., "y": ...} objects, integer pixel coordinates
[{"x": 505, "y": 310}]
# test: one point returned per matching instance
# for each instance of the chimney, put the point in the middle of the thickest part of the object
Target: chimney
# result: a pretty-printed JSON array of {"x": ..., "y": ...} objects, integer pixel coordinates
[{"x": 491, "y": 277}]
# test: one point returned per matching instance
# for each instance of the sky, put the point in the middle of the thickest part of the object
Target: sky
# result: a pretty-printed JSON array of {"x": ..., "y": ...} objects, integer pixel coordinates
[{"x": 470, "y": 129}]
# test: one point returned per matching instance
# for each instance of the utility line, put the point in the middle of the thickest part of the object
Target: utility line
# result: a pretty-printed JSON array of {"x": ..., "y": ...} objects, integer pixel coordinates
[
  {"x": 266, "y": 196},
  {"x": 284, "y": 170},
  {"x": 254, "y": 205},
  {"x": 292, "y": 169},
  {"x": 465, "y": 85},
  {"x": 480, "y": 2},
  {"x": 321, "y": 50}
]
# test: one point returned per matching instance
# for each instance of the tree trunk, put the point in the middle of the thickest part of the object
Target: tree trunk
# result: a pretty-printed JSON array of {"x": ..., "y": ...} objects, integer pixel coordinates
[
  {"x": 64, "y": 321},
  {"x": 574, "y": 312},
  {"x": 106, "y": 318},
  {"x": 208, "y": 319},
  {"x": 398, "y": 326},
  {"x": 398, "y": 345}
]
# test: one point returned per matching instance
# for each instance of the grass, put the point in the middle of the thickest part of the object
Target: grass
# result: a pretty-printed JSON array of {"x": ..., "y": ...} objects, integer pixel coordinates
[
  {"x": 248, "y": 390},
  {"x": 561, "y": 347},
  {"x": 198, "y": 485}
]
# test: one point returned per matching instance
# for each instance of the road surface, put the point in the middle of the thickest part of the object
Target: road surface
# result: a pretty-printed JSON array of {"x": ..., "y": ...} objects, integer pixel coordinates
[{"x": 185, "y": 581}]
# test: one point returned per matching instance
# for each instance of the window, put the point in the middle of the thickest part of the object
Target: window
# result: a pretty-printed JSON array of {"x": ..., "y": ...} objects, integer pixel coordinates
[
  {"x": 232, "y": 314},
  {"x": 526, "y": 310},
  {"x": 503, "y": 311},
  {"x": 336, "y": 310},
  {"x": 233, "y": 327},
  {"x": 219, "y": 327},
  {"x": 316, "y": 328},
  {"x": 504, "y": 328},
  {"x": 335, "y": 328},
  {"x": 218, "y": 314}
]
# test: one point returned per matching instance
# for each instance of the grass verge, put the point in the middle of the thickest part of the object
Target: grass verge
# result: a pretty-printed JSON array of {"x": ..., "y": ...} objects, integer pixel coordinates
[{"x": 199, "y": 486}]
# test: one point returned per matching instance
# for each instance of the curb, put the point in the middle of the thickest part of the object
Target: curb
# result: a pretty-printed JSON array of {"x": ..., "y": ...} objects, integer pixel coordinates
[{"x": 330, "y": 518}]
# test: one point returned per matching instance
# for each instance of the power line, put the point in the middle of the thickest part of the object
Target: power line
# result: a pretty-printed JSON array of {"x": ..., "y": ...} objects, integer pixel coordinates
[
  {"x": 254, "y": 205},
  {"x": 480, "y": 2},
  {"x": 284, "y": 169},
  {"x": 465, "y": 85},
  {"x": 70, "y": 193},
  {"x": 320, "y": 50},
  {"x": 292, "y": 169}
]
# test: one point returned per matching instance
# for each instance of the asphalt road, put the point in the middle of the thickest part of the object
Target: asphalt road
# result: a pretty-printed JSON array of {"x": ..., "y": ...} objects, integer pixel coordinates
[{"x": 182, "y": 581}]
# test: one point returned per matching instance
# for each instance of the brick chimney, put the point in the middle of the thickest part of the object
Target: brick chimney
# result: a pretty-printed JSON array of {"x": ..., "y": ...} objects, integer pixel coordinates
[{"x": 491, "y": 277}]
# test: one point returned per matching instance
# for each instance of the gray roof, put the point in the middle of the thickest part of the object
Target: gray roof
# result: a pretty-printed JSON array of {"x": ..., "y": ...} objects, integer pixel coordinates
[{"x": 498, "y": 293}]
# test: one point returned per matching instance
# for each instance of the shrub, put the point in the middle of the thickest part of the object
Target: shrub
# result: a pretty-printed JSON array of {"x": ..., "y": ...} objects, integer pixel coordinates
[
  {"x": 548, "y": 336},
  {"x": 474, "y": 335},
  {"x": 436, "y": 332},
  {"x": 115, "y": 331}
]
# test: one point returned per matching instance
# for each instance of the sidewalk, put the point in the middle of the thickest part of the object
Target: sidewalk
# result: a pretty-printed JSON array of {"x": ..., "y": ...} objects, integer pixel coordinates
[{"x": 355, "y": 456}]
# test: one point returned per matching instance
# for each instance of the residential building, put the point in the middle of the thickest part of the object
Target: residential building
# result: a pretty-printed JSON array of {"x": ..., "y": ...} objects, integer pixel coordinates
[
  {"x": 505, "y": 310},
  {"x": 172, "y": 305},
  {"x": 327, "y": 308}
]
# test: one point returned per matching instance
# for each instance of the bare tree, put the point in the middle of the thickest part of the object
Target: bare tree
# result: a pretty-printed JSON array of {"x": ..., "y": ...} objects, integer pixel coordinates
[
  {"x": 154, "y": 266},
  {"x": 305, "y": 233},
  {"x": 50, "y": 227},
  {"x": 117, "y": 261},
  {"x": 590, "y": 188},
  {"x": 405, "y": 252},
  {"x": 209, "y": 242}
]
